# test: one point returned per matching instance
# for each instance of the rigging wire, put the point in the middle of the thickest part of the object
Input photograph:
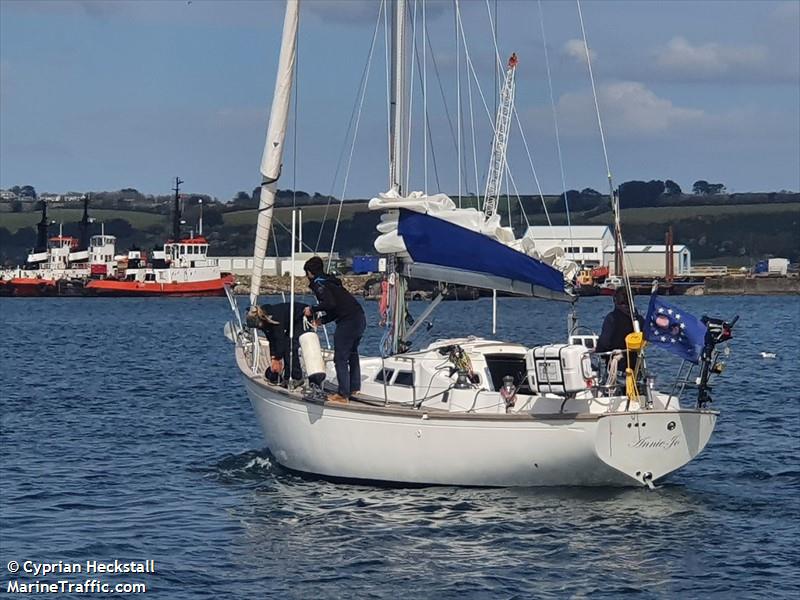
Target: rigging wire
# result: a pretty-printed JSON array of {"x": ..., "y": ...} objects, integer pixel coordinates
[
  {"x": 533, "y": 169},
  {"x": 424, "y": 100},
  {"x": 355, "y": 134},
  {"x": 471, "y": 70},
  {"x": 429, "y": 139},
  {"x": 499, "y": 63},
  {"x": 458, "y": 100},
  {"x": 344, "y": 145},
  {"x": 555, "y": 122},
  {"x": 294, "y": 124},
  {"x": 614, "y": 198},
  {"x": 519, "y": 198}
]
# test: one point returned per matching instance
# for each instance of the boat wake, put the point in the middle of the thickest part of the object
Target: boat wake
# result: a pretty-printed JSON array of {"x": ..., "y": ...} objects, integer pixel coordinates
[{"x": 248, "y": 466}]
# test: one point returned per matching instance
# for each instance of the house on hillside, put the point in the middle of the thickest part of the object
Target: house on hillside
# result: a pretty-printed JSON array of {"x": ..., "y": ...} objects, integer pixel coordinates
[{"x": 7, "y": 195}]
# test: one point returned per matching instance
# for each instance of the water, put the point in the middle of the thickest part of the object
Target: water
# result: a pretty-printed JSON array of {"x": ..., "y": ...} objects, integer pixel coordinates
[{"x": 126, "y": 434}]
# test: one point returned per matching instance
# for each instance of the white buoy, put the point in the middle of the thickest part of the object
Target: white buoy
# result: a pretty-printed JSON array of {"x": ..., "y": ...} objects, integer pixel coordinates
[
  {"x": 768, "y": 355},
  {"x": 312, "y": 357}
]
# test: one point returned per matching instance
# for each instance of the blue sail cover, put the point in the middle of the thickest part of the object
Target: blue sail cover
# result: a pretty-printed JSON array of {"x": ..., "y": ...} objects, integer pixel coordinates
[{"x": 432, "y": 241}]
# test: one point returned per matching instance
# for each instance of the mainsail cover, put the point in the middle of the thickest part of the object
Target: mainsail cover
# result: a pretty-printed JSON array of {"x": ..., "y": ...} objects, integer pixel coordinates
[{"x": 443, "y": 251}]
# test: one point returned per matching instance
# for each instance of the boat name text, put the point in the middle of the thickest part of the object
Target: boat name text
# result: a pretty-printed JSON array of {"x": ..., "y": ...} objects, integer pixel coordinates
[{"x": 648, "y": 442}]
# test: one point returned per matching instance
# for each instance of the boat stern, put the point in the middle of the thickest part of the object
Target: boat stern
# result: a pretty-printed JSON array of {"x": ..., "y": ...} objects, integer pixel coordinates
[{"x": 647, "y": 445}]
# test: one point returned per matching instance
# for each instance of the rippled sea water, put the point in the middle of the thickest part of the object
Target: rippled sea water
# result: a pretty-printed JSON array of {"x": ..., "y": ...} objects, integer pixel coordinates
[{"x": 126, "y": 434}]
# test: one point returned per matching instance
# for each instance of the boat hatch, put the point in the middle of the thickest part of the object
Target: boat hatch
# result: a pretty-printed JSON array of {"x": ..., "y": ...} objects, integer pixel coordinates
[{"x": 502, "y": 365}]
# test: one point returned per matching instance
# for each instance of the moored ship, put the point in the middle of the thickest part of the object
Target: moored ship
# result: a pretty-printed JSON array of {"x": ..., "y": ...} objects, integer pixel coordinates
[{"x": 181, "y": 268}]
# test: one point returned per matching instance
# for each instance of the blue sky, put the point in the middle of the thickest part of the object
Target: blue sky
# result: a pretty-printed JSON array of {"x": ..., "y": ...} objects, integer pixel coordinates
[{"x": 105, "y": 95}]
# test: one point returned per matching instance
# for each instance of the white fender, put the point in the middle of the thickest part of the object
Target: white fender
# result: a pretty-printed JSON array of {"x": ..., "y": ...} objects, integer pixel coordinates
[{"x": 312, "y": 357}]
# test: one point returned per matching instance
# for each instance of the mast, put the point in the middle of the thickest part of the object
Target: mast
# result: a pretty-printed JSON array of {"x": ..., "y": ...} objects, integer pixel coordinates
[
  {"x": 396, "y": 166},
  {"x": 84, "y": 224},
  {"x": 41, "y": 230},
  {"x": 176, "y": 211},
  {"x": 273, "y": 145}
]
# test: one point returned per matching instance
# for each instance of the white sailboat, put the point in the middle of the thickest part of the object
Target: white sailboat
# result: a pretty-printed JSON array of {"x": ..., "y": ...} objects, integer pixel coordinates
[{"x": 466, "y": 411}]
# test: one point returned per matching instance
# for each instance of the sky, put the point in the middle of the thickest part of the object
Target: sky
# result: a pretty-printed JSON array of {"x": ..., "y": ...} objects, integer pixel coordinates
[{"x": 108, "y": 95}]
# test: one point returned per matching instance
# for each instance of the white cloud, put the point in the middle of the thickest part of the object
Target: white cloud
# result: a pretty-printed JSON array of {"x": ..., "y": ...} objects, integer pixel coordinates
[
  {"x": 681, "y": 56},
  {"x": 627, "y": 108},
  {"x": 575, "y": 49},
  {"x": 360, "y": 12}
]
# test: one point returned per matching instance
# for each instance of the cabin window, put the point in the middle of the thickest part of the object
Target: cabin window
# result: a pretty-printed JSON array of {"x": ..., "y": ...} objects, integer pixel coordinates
[
  {"x": 384, "y": 375},
  {"x": 589, "y": 249},
  {"x": 404, "y": 378},
  {"x": 573, "y": 249},
  {"x": 150, "y": 277}
]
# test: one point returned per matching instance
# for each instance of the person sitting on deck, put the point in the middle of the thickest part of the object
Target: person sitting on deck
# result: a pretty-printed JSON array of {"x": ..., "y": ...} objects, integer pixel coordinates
[
  {"x": 274, "y": 321},
  {"x": 335, "y": 303},
  {"x": 616, "y": 326}
]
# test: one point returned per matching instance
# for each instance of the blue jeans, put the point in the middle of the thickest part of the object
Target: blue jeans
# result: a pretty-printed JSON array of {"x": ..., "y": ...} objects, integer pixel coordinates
[{"x": 345, "y": 353}]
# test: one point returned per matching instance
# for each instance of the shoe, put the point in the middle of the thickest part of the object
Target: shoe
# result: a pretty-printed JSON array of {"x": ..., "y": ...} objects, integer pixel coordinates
[{"x": 338, "y": 398}]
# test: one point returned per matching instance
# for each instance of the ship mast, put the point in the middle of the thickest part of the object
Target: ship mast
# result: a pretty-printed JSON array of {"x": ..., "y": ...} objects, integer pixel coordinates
[
  {"x": 84, "y": 224},
  {"x": 176, "y": 212},
  {"x": 41, "y": 230}
]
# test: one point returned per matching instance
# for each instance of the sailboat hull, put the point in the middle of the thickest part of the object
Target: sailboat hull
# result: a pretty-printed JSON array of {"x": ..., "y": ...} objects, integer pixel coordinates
[{"x": 423, "y": 447}]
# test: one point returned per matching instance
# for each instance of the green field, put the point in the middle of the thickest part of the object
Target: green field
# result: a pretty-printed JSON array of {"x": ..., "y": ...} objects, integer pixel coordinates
[
  {"x": 666, "y": 214},
  {"x": 630, "y": 216},
  {"x": 139, "y": 220},
  {"x": 284, "y": 215}
]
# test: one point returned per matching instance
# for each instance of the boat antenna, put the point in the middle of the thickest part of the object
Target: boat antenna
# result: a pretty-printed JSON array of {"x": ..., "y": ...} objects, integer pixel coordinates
[
  {"x": 176, "y": 213},
  {"x": 41, "y": 230}
]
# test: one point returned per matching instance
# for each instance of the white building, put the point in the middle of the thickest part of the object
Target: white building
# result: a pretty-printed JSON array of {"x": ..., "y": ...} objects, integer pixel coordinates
[
  {"x": 589, "y": 245},
  {"x": 243, "y": 265},
  {"x": 651, "y": 261}
]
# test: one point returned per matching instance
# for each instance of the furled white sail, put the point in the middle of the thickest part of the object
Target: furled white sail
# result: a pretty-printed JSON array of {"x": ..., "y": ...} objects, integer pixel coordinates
[
  {"x": 273, "y": 146},
  {"x": 442, "y": 207}
]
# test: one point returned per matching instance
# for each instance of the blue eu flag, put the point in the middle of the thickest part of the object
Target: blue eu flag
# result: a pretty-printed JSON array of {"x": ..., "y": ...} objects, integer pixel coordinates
[{"x": 674, "y": 330}]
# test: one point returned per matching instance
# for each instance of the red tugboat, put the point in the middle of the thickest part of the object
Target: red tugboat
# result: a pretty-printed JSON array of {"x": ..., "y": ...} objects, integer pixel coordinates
[
  {"x": 60, "y": 265},
  {"x": 182, "y": 268}
]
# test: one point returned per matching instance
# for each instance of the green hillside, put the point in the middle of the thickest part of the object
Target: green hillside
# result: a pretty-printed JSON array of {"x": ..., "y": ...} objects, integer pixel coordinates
[{"x": 139, "y": 220}]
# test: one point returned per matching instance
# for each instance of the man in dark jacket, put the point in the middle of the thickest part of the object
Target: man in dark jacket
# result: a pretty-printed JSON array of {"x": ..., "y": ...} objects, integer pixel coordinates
[
  {"x": 335, "y": 303},
  {"x": 617, "y": 325},
  {"x": 274, "y": 320}
]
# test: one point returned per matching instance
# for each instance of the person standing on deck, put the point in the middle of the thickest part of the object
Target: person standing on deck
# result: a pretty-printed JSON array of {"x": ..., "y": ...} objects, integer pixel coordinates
[
  {"x": 616, "y": 326},
  {"x": 335, "y": 303}
]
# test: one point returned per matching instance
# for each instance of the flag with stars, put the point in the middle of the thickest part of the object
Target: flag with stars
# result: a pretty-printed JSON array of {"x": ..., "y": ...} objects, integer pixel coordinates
[{"x": 674, "y": 330}]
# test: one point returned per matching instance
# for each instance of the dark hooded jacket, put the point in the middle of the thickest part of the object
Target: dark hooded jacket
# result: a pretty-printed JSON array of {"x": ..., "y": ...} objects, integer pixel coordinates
[
  {"x": 278, "y": 335},
  {"x": 334, "y": 300},
  {"x": 616, "y": 326}
]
